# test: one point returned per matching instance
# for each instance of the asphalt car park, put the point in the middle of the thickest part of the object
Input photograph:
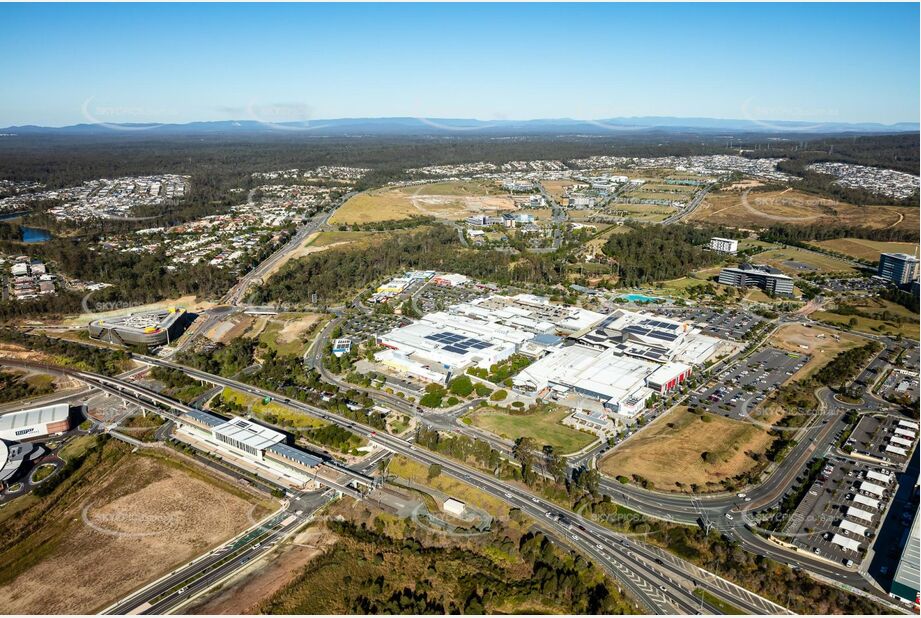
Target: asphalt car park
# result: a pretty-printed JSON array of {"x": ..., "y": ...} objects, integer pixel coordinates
[
  {"x": 741, "y": 388},
  {"x": 729, "y": 324},
  {"x": 436, "y": 297},
  {"x": 363, "y": 326},
  {"x": 835, "y": 504},
  {"x": 874, "y": 433},
  {"x": 900, "y": 383}
]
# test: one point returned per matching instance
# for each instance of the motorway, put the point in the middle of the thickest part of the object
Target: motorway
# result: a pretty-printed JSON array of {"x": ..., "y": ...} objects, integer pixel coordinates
[
  {"x": 812, "y": 440},
  {"x": 662, "y": 587},
  {"x": 186, "y": 583},
  {"x": 237, "y": 293}
]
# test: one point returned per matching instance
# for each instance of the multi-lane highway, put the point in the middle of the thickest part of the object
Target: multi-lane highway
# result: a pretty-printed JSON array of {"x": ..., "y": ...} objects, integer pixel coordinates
[
  {"x": 662, "y": 586},
  {"x": 237, "y": 293}
]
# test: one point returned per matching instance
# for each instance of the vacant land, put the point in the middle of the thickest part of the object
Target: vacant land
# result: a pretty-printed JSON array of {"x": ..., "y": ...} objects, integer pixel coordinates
[
  {"x": 794, "y": 261},
  {"x": 119, "y": 521},
  {"x": 543, "y": 426},
  {"x": 681, "y": 449},
  {"x": 444, "y": 200},
  {"x": 289, "y": 333},
  {"x": 272, "y": 412},
  {"x": 649, "y": 213},
  {"x": 244, "y": 593},
  {"x": 408, "y": 469},
  {"x": 877, "y": 316},
  {"x": 865, "y": 249},
  {"x": 763, "y": 208},
  {"x": 556, "y": 188},
  {"x": 820, "y": 343}
]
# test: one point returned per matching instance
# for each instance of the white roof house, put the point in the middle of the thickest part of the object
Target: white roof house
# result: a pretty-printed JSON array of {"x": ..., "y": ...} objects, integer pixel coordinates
[
  {"x": 454, "y": 342},
  {"x": 908, "y": 424},
  {"x": 908, "y": 433},
  {"x": 873, "y": 475},
  {"x": 895, "y": 450},
  {"x": 247, "y": 436}
]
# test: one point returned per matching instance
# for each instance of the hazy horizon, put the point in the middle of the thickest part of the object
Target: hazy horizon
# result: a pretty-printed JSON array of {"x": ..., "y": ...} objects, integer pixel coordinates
[{"x": 820, "y": 63}]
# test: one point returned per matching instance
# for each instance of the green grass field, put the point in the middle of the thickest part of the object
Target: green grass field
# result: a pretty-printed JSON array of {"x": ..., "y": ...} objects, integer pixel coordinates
[
  {"x": 543, "y": 427},
  {"x": 283, "y": 414}
]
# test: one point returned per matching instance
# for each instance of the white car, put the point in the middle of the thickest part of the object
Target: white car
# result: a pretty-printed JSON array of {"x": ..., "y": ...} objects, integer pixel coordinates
[
  {"x": 729, "y": 516},
  {"x": 741, "y": 495}
]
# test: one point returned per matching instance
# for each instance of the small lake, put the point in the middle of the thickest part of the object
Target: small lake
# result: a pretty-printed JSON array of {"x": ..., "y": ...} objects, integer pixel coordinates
[{"x": 34, "y": 234}]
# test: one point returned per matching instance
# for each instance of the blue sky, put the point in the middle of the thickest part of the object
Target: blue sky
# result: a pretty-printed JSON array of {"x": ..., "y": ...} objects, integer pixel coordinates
[{"x": 65, "y": 64}]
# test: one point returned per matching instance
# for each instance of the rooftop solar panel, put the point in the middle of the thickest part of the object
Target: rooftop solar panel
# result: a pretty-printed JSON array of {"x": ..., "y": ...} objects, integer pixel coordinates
[{"x": 454, "y": 349}]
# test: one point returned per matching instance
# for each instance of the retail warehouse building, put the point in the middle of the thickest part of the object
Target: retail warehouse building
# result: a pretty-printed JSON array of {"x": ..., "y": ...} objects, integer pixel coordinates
[{"x": 35, "y": 422}]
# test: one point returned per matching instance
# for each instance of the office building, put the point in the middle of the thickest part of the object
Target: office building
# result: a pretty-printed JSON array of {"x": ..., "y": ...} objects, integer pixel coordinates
[
  {"x": 767, "y": 278},
  {"x": 724, "y": 245},
  {"x": 899, "y": 268}
]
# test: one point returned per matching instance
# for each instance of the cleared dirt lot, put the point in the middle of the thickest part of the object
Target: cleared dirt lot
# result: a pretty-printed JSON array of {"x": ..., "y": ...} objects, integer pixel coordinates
[
  {"x": 447, "y": 200},
  {"x": 682, "y": 447},
  {"x": 120, "y": 521},
  {"x": 737, "y": 208},
  {"x": 819, "y": 342}
]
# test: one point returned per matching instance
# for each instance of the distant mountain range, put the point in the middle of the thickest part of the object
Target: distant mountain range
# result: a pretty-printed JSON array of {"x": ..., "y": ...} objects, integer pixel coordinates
[{"x": 459, "y": 126}]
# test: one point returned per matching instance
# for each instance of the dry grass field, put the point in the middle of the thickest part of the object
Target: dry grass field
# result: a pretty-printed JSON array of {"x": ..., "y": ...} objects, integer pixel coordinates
[
  {"x": 881, "y": 317},
  {"x": 446, "y": 200},
  {"x": 119, "y": 522},
  {"x": 865, "y": 249},
  {"x": 672, "y": 448},
  {"x": 820, "y": 343},
  {"x": 556, "y": 188},
  {"x": 796, "y": 261},
  {"x": 737, "y": 208}
]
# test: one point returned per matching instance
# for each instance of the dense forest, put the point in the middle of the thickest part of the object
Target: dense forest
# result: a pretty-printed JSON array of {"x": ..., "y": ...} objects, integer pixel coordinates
[
  {"x": 229, "y": 159},
  {"x": 799, "y": 234},
  {"x": 658, "y": 253},
  {"x": 388, "y": 574},
  {"x": 137, "y": 278},
  {"x": 14, "y": 386},
  {"x": 85, "y": 357},
  {"x": 332, "y": 274}
]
